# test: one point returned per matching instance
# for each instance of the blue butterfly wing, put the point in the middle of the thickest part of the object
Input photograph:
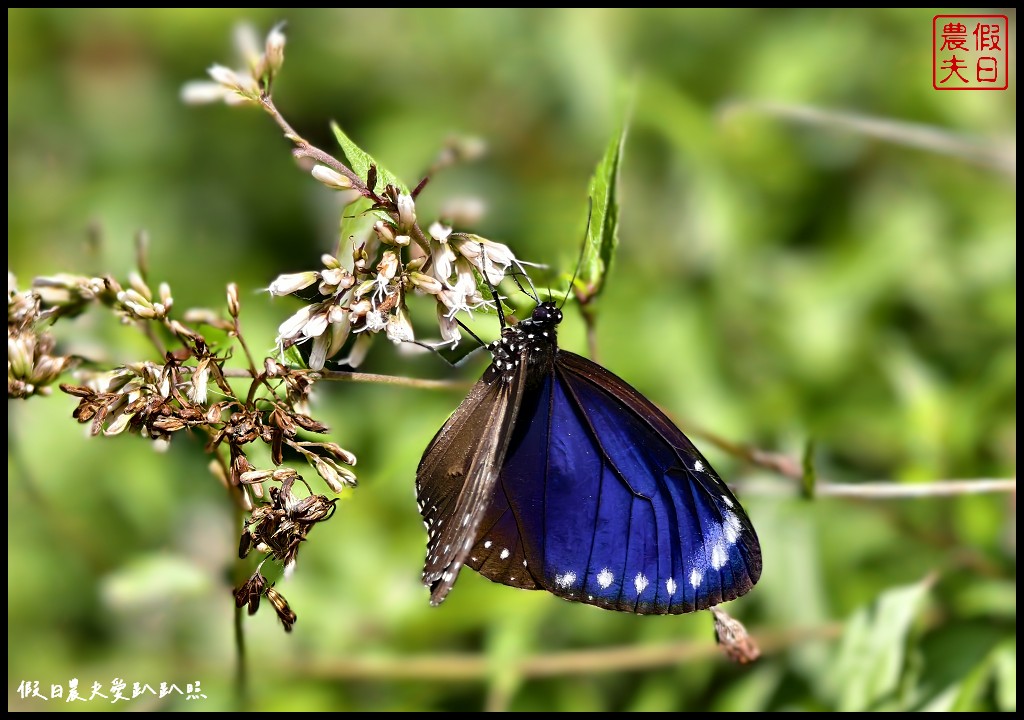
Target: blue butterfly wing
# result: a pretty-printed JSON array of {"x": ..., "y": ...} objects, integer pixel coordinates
[{"x": 601, "y": 499}]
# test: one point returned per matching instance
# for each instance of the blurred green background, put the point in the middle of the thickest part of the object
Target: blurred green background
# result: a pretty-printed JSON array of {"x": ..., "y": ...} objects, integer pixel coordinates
[{"x": 776, "y": 281}]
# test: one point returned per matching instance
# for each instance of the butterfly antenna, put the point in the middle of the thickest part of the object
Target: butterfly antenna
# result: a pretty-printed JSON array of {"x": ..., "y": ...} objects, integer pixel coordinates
[
  {"x": 532, "y": 292},
  {"x": 583, "y": 251},
  {"x": 471, "y": 333}
]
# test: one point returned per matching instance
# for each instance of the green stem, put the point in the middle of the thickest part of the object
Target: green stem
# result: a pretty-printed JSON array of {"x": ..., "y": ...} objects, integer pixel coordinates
[{"x": 242, "y": 698}]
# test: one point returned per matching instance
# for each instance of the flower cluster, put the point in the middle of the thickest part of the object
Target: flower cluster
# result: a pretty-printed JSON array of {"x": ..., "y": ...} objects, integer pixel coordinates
[
  {"x": 32, "y": 364},
  {"x": 367, "y": 293},
  {"x": 371, "y": 297},
  {"x": 278, "y": 528},
  {"x": 191, "y": 390},
  {"x": 239, "y": 87}
]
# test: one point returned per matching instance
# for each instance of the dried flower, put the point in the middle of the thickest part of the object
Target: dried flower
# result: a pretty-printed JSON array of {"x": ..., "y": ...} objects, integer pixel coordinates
[
  {"x": 733, "y": 638},
  {"x": 32, "y": 364}
]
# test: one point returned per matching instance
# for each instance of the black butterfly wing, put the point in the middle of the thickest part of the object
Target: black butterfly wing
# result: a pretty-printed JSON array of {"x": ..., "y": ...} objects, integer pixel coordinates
[
  {"x": 457, "y": 473},
  {"x": 610, "y": 504}
]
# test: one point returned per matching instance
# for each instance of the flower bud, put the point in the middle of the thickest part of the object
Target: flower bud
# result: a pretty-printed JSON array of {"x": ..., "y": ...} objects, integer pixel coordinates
[{"x": 331, "y": 178}]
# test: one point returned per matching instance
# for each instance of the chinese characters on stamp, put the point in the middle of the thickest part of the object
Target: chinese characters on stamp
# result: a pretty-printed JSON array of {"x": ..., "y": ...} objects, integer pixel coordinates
[{"x": 970, "y": 52}]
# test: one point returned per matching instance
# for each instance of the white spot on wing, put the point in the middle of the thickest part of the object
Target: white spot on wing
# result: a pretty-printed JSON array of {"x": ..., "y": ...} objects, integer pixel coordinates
[
  {"x": 605, "y": 578},
  {"x": 718, "y": 556},
  {"x": 695, "y": 577},
  {"x": 504, "y": 554},
  {"x": 698, "y": 466},
  {"x": 640, "y": 582},
  {"x": 670, "y": 585},
  {"x": 487, "y": 545},
  {"x": 726, "y": 500},
  {"x": 731, "y": 527},
  {"x": 565, "y": 579}
]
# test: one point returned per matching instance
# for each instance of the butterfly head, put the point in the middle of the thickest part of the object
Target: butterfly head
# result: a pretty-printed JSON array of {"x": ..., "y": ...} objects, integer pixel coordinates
[
  {"x": 532, "y": 341},
  {"x": 545, "y": 315}
]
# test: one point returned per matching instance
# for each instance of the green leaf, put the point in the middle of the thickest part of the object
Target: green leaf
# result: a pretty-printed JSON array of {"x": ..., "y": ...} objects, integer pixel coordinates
[
  {"x": 360, "y": 161},
  {"x": 1005, "y": 670},
  {"x": 293, "y": 358},
  {"x": 603, "y": 232},
  {"x": 810, "y": 476},
  {"x": 997, "y": 672},
  {"x": 872, "y": 658}
]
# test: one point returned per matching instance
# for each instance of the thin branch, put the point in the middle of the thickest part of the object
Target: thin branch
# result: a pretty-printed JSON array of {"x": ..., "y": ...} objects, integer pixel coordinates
[
  {"x": 303, "y": 148},
  {"x": 474, "y": 667},
  {"x": 147, "y": 330},
  {"x": 242, "y": 696},
  {"x": 421, "y": 383},
  {"x": 998, "y": 154},
  {"x": 343, "y": 376},
  {"x": 776, "y": 462},
  {"x": 886, "y": 489},
  {"x": 940, "y": 488},
  {"x": 790, "y": 467}
]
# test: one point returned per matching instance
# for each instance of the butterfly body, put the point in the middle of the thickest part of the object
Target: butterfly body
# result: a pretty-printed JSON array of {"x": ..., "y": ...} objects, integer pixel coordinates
[{"x": 555, "y": 474}]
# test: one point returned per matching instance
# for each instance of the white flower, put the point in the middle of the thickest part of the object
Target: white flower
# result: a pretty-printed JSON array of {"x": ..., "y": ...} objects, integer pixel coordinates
[
  {"x": 359, "y": 349},
  {"x": 442, "y": 257},
  {"x": 465, "y": 280},
  {"x": 387, "y": 268},
  {"x": 439, "y": 232},
  {"x": 406, "y": 211},
  {"x": 399, "y": 328},
  {"x": 225, "y": 77},
  {"x": 290, "y": 282},
  {"x": 247, "y": 44},
  {"x": 291, "y": 327},
  {"x": 385, "y": 232},
  {"x": 375, "y": 321},
  {"x": 449, "y": 327},
  {"x": 490, "y": 258},
  {"x": 203, "y": 92},
  {"x": 340, "y": 328},
  {"x": 331, "y": 178},
  {"x": 334, "y": 279},
  {"x": 426, "y": 283},
  {"x": 239, "y": 88},
  {"x": 274, "y": 48},
  {"x": 316, "y": 325},
  {"x": 318, "y": 354}
]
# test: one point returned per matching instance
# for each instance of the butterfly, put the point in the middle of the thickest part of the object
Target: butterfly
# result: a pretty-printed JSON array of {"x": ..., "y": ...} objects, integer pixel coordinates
[{"x": 555, "y": 474}]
